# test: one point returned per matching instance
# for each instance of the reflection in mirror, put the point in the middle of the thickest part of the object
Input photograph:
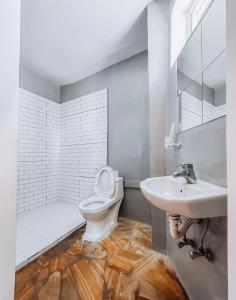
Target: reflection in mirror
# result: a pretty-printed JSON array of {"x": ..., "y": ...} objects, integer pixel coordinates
[
  {"x": 214, "y": 32},
  {"x": 189, "y": 64},
  {"x": 214, "y": 90},
  {"x": 191, "y": 105}
]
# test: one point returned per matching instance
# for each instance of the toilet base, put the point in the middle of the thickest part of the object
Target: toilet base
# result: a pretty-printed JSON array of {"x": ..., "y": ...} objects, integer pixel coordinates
[
  {"x": 99, "y": 229},
  {"x": 97, "y": 236}
]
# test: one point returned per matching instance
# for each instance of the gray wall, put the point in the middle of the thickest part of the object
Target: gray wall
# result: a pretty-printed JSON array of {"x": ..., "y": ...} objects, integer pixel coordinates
[
  {"x": 220, "y": 95},
  {"x": 205, "y": 147},
  {"x": 36, "y": 84},
  {"x": 158, "y": 55},
  {"x": 128, "y": 144}
]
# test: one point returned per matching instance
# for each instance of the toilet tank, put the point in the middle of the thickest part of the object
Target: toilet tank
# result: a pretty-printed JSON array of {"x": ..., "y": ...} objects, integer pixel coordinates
[{"x": 119, "y": 188}]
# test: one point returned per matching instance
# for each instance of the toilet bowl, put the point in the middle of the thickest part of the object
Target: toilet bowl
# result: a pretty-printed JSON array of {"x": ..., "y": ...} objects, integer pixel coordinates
[{"x": 101, "y": 210}]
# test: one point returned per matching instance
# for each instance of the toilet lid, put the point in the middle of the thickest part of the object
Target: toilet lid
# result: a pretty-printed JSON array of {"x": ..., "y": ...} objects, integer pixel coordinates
[{"x": 104, "y": 181}]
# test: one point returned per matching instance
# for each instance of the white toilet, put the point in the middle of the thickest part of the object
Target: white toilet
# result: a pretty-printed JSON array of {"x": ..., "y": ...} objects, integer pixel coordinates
[{"x": 101, "y": 210}]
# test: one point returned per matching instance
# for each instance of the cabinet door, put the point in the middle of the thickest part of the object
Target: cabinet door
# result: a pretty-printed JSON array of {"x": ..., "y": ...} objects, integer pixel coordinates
[
  {"x": 214, "y": 32},
  {"x": 189, "y": 63}
]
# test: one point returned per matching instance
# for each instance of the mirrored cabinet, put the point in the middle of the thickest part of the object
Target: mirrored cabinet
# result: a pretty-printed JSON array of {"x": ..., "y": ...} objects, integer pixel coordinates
[
  {"x": 214, "y": 90},
  {"x": 189, "y": 68},
  {"x": 201, "y": 84},
  {"x": 213, "y": 32},
  {"x": 190, "y": 104}
]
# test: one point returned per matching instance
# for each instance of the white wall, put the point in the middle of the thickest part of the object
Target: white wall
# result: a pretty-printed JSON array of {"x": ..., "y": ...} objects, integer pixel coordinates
[
  {"x": 231, "y": 143},
  {"x": 83, "y": 144},
  {"x": 59, "y": 148},
  {"x": 9, "y": 83},
  {"x": 38, "y": 151}
]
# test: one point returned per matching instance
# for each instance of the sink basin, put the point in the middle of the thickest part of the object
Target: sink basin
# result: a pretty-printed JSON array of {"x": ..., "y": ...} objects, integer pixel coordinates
[{"x": 174, "y": 195}]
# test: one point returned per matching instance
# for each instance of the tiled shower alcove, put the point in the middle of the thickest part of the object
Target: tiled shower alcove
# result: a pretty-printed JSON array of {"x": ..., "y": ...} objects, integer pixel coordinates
[{"x": 60, "y": 146}]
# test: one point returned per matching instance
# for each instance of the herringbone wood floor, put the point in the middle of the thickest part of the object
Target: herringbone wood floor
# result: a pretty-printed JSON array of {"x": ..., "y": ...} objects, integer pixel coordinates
[{"x": 123, "y": 267}]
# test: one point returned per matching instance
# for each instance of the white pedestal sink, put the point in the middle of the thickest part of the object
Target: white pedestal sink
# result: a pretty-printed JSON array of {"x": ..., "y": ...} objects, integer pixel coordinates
[{"x": 175, "y": 196}]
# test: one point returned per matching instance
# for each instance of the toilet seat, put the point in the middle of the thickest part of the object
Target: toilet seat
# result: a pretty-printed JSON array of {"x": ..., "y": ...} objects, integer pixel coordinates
[
  {"x": 104, "y": 188},
  {"x": 104, "y": 182},
  {"x": 95, "y": 204}
]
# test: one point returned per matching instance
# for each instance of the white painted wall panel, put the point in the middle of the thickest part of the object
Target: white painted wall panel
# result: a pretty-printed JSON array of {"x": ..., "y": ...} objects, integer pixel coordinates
[
  {"x": 9, "y": 84},
  {"x": 231, "y": 144}
]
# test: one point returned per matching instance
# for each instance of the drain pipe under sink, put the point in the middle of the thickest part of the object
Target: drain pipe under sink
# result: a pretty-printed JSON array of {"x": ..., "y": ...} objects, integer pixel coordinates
[{"x": 179, "y": 226}]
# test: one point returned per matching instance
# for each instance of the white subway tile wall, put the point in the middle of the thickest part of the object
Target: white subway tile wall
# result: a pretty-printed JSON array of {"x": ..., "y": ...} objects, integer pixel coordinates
[
  {"x": 52, "y": 149},
  {"x": 59, "y": 148},
  {"x": 83, "y": 146}
]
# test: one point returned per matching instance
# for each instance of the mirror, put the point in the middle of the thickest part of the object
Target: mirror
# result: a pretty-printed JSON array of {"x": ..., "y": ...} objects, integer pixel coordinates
[
  {"x": 214, "y": 32},
  {"x": 214, "y": 90},
  {"x": 191, "y": 105},
  {"x": 201, "y": 84},
  {"x": 189, "y": 62}
]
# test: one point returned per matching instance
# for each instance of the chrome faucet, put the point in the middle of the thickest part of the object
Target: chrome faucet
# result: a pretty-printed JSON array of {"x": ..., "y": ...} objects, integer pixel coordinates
[{"x": 187, "y": 172}]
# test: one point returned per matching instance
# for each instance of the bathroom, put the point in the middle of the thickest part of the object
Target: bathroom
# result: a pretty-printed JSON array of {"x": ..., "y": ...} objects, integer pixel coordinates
[{"x": 115, "y": 145}]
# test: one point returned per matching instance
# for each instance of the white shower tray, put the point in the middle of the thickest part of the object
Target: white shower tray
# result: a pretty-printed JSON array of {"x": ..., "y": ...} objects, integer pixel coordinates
[{"x": 42, "y": 228}]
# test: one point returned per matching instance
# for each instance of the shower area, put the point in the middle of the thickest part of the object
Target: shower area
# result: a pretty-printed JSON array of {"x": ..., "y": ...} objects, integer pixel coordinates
[{"x": 60, "y": 146}]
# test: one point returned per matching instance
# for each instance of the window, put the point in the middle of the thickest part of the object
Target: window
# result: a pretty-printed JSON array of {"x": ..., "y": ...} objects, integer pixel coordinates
[{"x": 197, "y": 10}]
